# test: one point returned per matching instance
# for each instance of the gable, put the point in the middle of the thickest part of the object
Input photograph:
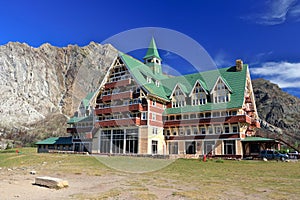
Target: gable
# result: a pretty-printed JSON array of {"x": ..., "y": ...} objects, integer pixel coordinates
[
  {"x": 181, "y": 87},
  {"x": 223, "y": 81},
  {"x": 201, "y": 84}
]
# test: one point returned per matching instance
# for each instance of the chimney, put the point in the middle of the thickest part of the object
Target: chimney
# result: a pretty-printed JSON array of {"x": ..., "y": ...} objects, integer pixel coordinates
[{"x": 238, "y": 65}]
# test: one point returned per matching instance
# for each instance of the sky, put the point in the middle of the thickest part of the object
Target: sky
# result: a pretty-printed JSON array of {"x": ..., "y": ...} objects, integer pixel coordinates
[{"x": 265, "y": 34}]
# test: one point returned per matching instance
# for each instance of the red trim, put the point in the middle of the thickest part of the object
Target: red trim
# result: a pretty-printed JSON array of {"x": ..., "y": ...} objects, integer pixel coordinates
[{"x": 208, "y": 121}]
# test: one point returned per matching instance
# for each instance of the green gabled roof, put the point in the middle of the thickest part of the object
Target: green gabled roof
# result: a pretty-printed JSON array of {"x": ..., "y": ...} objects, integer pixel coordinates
[
  {"x": 74, "y": 120},
  {"x": 203, "y": 84},
  {"x": 87, "y": 99},
  {"x": 140, "y": 72},
  {"x": 152, "y": 50},
  {"x": 236, "y": 80},
  {"x": 257, "y": 139},
  {"x": 157, "y": 91},
  {"x": 56, "y": 140}
]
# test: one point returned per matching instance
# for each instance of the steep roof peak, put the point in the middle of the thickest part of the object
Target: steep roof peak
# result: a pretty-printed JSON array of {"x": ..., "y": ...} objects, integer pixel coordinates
[{"x": 152, "y": 50}]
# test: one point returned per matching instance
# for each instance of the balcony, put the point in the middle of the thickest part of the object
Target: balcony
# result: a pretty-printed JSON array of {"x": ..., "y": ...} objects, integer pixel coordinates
[
  {"x": 207, "y": 121},
  {"x": 255, "y": 123},
  {"x": 121, "y": 95},
  {"x": 204, "y": 136},
  {"x": 119, "y": 83},
  {"x": 119, "y": 122},
  {"x": 79, "y": 129},
  {"x": 121, "y": 108}
]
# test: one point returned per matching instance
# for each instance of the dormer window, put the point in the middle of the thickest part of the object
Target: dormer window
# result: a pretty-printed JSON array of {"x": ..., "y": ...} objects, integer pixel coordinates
[
  {"x": 221, "y": 92},
  {"x": 198, "y": 95},
  {"x": 178, "y": 98},
  {"x": 157, "y": 83},
  {"x": 149, "y": 80}
]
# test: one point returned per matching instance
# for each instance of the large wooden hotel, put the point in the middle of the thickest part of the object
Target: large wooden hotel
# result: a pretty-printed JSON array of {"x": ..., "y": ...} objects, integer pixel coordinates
[{"x": 139, "y": 110}]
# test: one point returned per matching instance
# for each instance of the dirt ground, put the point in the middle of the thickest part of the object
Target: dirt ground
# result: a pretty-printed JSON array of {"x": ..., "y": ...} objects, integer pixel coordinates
[{"x": 19, "y": 184}]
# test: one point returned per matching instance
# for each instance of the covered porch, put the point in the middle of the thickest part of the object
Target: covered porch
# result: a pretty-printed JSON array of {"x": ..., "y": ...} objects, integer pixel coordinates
[{"x": 253, "y": 145}]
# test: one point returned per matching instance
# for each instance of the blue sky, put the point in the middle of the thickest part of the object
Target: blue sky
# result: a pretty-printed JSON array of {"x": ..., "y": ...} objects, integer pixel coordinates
[{"x": 265, "y": 34}]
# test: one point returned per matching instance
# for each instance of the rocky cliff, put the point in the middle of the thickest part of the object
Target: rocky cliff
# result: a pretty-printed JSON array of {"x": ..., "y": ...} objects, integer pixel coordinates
[
  {"x": 278, "y": 110},
  {"x": 36, "y": 83},
  {"x": 40, "y": 87}
]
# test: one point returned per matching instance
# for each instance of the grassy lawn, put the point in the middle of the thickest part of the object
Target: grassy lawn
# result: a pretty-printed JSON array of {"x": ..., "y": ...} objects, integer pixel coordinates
[{"x": 187, "y": 179}]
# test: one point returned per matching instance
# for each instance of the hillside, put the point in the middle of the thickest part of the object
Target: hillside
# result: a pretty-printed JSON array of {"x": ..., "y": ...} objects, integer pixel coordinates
[
  {"x": 279, "y": 111},
  {"x": 39, "y": 85}
]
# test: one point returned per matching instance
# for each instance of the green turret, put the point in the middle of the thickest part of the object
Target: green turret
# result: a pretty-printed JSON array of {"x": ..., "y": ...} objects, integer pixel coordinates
[{"x": 152, "y": 58}]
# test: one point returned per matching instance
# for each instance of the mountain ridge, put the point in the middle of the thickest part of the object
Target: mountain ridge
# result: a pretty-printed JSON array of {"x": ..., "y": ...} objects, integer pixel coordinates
[
  {"x": 38, "y": 81},
  {"x": 40, "y": 87},
  {"x": 278, "y": 110}
]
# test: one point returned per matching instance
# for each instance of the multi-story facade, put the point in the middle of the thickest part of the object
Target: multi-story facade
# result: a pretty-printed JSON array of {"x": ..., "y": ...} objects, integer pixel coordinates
[
  {"x": 140, "y": 110},
  {"x": 81, "y": 126}
]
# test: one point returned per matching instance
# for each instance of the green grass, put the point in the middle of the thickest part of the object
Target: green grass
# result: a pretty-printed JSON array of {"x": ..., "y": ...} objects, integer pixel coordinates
[{"x": 188, "y": 179}]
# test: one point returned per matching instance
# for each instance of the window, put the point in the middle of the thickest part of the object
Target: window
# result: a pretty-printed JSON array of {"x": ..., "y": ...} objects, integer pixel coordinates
[
  {"x": 154, "y": 130},
  {"x": 168, "y": 132},
  {"x": 195, "y": 130},
  {"x": 178, "y": 98},
  {"x": 209, "y": 147},
  {"x": 153, "y": 102},
  {"x": 190, "y": 147},
  {"x": 173, "y": 148},
  {"x": 210, "y": 130},
  {"x": 181, "y": 131},
  {"x": 221, "y": 93},
  {"x": 207, "y": 115},
  {"x": 193, "y": 116},
  {"x": 178, "y": 117},
  {"x": 235, "y": 129},
  {"x": 198, "y": 96},
  {"x": 153, "y": 116},
  {"x": 188, "y": 131},
  {"x": 185, "y": 116},
  {"x": 218, "y": 130},
  {"x": 149, "y": 80},
  {"x": 144, "y": 116},
  {"x": 157, "y": 83},
  {"x": 229, "y": 147},
  {"x": 200, "y": 115},
  {"x": 202, "y": 130},
  {"x": 226, "y": 129},
  {"x": 154, "y": 147},
  {"x": 216, "y": 114}
]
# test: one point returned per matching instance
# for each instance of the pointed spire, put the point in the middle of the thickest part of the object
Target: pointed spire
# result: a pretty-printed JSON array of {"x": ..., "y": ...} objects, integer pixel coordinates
[{"x": 152, "y": 50}]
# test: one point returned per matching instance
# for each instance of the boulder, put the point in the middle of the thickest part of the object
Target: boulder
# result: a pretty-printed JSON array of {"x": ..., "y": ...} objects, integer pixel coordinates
[{"x": 51, "y": 182}]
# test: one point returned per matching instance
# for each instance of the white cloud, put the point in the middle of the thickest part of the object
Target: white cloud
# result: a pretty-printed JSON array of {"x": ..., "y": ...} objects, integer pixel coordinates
[
  {"x": 276, "y": 12},
  {"x": 285, "y": 74}
]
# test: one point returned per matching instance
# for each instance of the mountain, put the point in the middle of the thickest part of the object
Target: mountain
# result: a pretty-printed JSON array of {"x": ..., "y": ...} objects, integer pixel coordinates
[
  {"x": 41, "y": 87},
  {"x": 278, "y": 110},
  {"x": 47, "y": 83}
]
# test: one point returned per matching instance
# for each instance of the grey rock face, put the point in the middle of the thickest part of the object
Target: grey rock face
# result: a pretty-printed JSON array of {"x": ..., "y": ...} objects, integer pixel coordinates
[
  {"x": 279, "y": 111},
  {"x": 37, "y": 81}
]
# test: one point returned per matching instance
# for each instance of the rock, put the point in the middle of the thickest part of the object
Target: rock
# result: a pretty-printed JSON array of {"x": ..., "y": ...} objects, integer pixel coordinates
[
  {"x": 51, "y": 182},
  {"x": 48, "y": 79},
  {"x": 278, "y": 110}
]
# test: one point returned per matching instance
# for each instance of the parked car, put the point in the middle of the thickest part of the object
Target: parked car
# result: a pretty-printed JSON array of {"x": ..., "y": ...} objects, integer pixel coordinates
[{"x": 272, "y": 154}]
